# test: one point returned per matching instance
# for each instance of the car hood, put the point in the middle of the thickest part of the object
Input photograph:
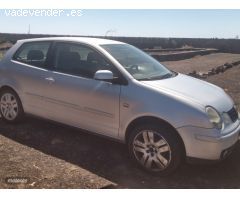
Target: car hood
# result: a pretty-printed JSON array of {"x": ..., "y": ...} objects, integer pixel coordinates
[{"x": 194, "y": 90}]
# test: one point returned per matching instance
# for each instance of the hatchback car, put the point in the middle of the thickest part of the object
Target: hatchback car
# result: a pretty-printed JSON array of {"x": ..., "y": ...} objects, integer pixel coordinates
[{"x": 116, "y": 90}]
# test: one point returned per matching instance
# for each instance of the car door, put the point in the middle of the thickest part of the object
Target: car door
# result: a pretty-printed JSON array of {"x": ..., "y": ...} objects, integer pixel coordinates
[
  {"x": 29, "y": 69},
  {"x": 75, "y": 98}
]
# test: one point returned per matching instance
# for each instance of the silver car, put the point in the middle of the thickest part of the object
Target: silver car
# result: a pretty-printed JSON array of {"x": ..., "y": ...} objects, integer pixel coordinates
[{"x": 116, "y": 90}]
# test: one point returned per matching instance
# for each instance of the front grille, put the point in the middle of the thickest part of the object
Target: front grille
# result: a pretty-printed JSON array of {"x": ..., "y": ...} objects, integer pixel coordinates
[{"x": 233, "y": 114}]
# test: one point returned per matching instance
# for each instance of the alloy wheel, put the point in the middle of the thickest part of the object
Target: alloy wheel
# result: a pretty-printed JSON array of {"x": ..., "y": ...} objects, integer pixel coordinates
[
  {"x": 151, "y": 150},
  {"x": 9, "y": 106}
]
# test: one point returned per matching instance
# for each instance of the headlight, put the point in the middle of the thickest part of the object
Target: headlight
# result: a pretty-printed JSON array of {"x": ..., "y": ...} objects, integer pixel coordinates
[{"x": 214, "y": 117}]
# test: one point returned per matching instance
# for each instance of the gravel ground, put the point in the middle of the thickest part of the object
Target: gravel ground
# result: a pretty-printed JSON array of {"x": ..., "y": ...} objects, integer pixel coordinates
[
  {"x": 55, "y": 156},
  {"x": 33, "y": 150},
  {"x": 202, "y": 63}
]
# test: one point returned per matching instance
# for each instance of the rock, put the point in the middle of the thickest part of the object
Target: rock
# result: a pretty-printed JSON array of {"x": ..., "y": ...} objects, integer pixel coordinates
[
  {"x": 193, "y": 74},
  {"x": 228, "y": 65},
  {"x": 32, "y": 184},
  {"x": 213, "y": 70},
  {"x": 210, "y": 73},
  {"x": 219, "y": 69},
  {"x": 224, "y": 68},
  {"x": 202, "y": 75}
]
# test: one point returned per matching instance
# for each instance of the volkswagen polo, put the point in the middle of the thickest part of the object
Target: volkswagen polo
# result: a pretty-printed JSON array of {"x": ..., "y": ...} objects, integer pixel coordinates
[{"x": 116, "y": 90}]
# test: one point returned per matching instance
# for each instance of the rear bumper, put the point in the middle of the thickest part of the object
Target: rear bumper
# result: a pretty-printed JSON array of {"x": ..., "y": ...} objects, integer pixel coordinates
[{"x": 209, "y": 144}]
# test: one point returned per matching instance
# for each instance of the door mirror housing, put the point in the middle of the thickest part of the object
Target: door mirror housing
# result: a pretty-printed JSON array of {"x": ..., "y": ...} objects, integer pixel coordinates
[{"x": 103, "y": 75}]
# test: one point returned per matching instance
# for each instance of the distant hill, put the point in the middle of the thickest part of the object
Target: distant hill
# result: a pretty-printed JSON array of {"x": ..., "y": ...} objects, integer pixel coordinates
[
  {"x": 13, "y": 37},
  {"x": 223, "y": 45}
]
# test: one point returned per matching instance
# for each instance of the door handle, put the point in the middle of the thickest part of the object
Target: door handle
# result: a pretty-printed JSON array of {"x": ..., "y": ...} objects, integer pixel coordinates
[{"x": 50, "y": 79}]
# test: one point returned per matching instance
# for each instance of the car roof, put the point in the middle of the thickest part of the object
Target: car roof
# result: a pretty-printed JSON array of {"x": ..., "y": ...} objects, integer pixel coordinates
[{"x": 86, "y": 40}]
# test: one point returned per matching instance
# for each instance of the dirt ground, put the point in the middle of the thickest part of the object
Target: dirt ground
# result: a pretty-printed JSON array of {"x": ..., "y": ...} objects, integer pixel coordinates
[
  {"x": 80, "y": 160},
  {"x": 55, "y": 156},
  {"x": 202, "y": 63}
]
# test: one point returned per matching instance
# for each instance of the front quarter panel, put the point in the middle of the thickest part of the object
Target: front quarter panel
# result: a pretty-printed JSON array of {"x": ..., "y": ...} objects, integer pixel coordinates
[{"x": 139, "y": 100}]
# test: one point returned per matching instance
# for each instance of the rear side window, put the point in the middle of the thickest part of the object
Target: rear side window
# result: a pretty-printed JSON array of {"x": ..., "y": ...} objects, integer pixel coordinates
[
  {"x": 79, "y": 60},
  {"x": 33, "y": 53}
]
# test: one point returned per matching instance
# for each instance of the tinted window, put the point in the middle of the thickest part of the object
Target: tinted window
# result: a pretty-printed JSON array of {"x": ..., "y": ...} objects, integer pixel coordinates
[
  {"x": 79, "y": 60},
  {"x": 33, "y": 53}
]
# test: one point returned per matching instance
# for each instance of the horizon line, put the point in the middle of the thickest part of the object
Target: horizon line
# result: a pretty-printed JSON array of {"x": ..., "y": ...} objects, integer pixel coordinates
[{"x": 69, "y": 35}]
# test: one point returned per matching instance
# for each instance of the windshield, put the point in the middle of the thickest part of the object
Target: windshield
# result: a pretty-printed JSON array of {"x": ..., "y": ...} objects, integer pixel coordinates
[{"x": 139, "y": 64}]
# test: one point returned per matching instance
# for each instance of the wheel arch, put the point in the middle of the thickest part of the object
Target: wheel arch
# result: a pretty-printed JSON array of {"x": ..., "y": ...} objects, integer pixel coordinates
[
  {"x": 7, "y": 87},
  {"x": 154, "y": 120}
]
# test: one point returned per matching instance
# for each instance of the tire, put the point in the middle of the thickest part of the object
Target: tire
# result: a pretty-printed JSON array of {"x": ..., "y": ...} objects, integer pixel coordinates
[
  {"x": 10, "y": 106},
  {"x": 156, "y": 149}
]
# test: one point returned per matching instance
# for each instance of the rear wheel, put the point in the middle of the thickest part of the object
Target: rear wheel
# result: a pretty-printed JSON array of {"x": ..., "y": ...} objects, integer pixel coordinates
[
  {"x": 156, "y": 149},
  {"x": 10, "y": 106}
]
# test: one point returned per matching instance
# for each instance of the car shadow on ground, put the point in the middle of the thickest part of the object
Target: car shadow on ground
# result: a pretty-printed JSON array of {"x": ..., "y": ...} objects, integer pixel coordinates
[{"x": 110, "y": 159}]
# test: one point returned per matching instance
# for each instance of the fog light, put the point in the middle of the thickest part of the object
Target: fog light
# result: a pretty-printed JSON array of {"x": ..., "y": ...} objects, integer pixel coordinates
[{"x": 225, "y": 154}]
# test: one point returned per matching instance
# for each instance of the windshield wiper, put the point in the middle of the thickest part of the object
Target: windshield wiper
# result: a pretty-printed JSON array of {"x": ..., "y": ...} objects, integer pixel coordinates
[
  {"x": 168, "y": 75},
  {"x": 144, "y": 79}
]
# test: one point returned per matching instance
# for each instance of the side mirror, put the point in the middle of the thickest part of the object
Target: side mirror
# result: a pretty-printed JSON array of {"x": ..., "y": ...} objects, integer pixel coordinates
[{"x": 103, "y": 75}]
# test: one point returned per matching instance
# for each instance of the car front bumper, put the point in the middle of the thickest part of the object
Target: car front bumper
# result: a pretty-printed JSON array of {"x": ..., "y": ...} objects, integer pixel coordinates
[{"x": 209, "y": 144}]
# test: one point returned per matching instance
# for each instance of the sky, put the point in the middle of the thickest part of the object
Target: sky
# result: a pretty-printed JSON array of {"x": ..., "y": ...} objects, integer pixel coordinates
[{"x": 137, "y": 23}]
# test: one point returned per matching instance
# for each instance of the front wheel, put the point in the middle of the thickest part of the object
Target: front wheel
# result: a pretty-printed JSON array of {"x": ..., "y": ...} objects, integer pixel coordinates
[
  {"x": 10, "y": 106},
  {"x": 155, "y": 148}
]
